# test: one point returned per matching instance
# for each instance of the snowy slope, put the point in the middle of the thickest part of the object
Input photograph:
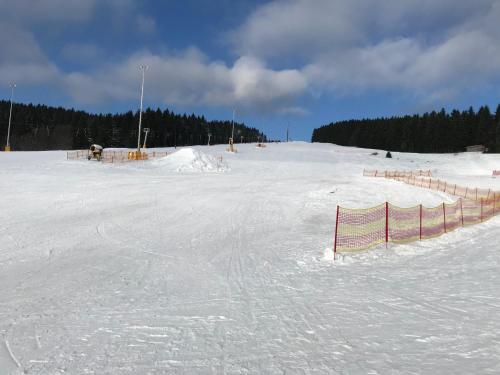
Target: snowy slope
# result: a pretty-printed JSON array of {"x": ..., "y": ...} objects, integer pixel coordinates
[{"x": 149, "y": 268}]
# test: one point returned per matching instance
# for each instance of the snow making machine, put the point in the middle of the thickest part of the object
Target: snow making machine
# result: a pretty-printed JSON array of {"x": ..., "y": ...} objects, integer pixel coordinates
[{"x": 95, "y": 152}]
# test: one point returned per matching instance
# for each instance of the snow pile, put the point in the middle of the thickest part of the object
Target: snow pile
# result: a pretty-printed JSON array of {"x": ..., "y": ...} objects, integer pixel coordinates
[{"x": 191, "y": 160}]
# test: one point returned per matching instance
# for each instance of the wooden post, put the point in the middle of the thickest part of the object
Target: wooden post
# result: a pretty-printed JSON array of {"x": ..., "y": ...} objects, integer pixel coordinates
[
  {"x": 462, "y": 211},
  {"x": 481, "y": 210}
]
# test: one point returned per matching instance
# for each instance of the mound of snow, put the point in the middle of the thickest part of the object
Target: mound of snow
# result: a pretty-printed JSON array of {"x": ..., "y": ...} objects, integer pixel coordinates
[{"x": 191, "y": 160}]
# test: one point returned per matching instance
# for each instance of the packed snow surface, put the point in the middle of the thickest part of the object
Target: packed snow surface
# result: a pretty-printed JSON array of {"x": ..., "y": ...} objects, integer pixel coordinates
[
  {"x": 140, "y": 269},
  {"x": 191, "y": 160}
]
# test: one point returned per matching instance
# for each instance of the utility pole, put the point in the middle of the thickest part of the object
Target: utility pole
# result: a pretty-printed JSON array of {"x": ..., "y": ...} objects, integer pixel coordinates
[{"x": 7, "y": 146}]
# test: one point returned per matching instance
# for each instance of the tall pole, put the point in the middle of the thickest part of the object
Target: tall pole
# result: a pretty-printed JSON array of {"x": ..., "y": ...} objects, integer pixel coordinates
[
  {"x": 7, "y": 146},
  {"x": 143, "y": 68}
]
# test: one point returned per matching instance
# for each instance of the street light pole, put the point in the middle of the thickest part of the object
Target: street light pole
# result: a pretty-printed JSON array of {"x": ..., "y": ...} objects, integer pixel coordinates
[
  {"x": 7, "y": 146},
  {"x": 143, "y": 68}
]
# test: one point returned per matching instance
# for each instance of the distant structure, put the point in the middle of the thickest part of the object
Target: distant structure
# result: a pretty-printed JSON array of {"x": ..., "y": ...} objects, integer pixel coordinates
[{"x": 476, "y": 148}]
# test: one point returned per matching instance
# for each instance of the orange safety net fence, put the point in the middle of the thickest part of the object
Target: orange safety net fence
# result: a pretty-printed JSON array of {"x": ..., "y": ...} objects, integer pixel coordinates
[
  {"x": 394, "y": 174},
  {"x": 360, "y": 229},
  {"x": 446, "y": 187},
  {"x": 112, "y": 156}
]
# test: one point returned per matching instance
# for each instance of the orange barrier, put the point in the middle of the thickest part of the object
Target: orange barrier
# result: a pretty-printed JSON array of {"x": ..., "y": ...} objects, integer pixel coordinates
[
  {"x": 360, "y": 229},
  {"x": 393, "y": 174},
  {"x": 446, "y": 187},
  {"x": 111, "y": 156}
]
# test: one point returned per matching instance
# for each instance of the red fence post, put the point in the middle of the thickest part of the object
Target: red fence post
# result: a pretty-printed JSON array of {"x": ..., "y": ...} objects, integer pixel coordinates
[
  {"x": 420, "y": 222},
  {"x": 462, "y": 211},
  {"x": 386, "y": 223},
  {"x": 336, "y": 231},
  {"x": 444, "y": 218}
]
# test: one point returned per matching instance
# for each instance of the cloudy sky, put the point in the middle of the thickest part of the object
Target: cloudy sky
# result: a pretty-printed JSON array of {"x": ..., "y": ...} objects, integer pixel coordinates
[{"x": 303, "y": 62}]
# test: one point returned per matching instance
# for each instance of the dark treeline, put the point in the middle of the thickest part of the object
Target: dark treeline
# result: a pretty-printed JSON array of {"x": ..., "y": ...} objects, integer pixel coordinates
[
  {"x": 39, "y": 127},
  {"x": 434, "y": 132}
]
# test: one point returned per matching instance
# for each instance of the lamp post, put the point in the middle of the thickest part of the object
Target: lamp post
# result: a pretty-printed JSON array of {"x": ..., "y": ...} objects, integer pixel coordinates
[
  {"x": 7, "y": 146},
  {"x": 143, "y": 68}
]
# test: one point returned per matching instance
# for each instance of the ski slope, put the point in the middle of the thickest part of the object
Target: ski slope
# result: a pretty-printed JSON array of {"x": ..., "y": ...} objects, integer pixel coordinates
[{"x": 183, "y": 266}]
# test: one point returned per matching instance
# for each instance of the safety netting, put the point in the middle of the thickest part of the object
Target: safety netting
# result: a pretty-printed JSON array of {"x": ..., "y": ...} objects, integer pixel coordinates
[
  {"x": 424, "y": 180},
  {"x": 395, "y": 174},
  {"x": 360, "y": 229}
]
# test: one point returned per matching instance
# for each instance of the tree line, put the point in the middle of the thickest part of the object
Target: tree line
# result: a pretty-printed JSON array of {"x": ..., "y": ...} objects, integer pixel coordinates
[
  {"x": 434, "y": 132},
  {"x": 40, "y": 127}
]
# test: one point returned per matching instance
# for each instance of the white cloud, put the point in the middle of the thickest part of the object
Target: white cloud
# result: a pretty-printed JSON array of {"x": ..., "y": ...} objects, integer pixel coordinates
[
  {"x": 82, "y": 52},
  {"x": 426, "y": 48},
  {"x": 22, "y": 60},
  {"x": 430, "y": 49},
  {"x": 190, "y": 78}
]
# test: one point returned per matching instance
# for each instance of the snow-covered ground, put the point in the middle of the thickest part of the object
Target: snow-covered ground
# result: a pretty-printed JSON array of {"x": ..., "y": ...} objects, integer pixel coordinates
[{"x": 195, "y": 265}]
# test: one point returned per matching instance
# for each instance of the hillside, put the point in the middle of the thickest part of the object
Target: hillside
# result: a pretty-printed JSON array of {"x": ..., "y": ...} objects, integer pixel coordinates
[{"x": 176, "y": 266}]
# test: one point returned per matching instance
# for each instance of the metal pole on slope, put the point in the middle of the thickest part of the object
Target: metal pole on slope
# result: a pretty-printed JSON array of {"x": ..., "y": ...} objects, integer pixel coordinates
[
  {"x": 336, "y": 231},
  {"x": 7, "y": 146},
  {"x": 143, "y": 68}
]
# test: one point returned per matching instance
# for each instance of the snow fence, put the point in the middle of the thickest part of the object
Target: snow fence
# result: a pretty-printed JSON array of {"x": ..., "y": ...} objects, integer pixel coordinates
[
  {"x": 112, "y": 156},
  {"x": 360, "y": 229}
]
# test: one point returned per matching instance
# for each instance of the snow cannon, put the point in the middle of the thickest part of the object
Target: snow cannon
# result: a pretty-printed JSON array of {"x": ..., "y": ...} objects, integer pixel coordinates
[{"x": 95, "y": 152}]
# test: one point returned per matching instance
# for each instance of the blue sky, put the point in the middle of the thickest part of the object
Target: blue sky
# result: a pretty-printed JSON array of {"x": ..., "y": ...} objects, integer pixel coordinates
[{"x": 302, "y": 62}]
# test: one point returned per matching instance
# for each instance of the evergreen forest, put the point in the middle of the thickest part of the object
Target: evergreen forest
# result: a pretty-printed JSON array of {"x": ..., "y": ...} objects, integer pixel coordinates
[
  {"x": 39, "y": 127},
  {"x": 434, "y": 132}
]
